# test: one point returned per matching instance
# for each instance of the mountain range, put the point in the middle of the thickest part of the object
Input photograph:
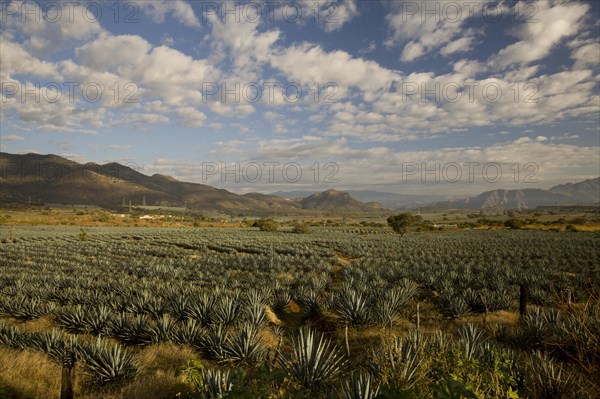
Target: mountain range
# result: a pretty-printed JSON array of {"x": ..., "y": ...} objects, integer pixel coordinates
[
  {"x": 584, "y": 192},
  {"x": 54, "y": 179}
]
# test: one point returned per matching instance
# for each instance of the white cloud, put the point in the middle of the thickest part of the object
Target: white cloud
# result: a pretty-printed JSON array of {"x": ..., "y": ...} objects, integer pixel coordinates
[
  {"x": 555, "y": 21},
  {"x": 180, "y": 10},
  {"x": 12, "y": 137},
  {"x": 190, "y": 117},
  {"x": 587, "y": 55},
  {"x": 17, "y": 60},
  {"x": 118, "y": 147},
  {"x": 459, "y": 45},
  {"x": 50, "y": 32},
  {"x": 158, "y": 72},
  {"x": 306, "y": 64},
  {"x": 552, "y": 163},
  {"x": 167, "y": 40},
  {"x": 422, "y": 34},
  {"x": 333, "y": 15}
]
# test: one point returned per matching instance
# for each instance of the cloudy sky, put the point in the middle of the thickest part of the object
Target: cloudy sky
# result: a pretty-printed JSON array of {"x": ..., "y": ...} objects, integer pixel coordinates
[{"x": 450, "y": 97}]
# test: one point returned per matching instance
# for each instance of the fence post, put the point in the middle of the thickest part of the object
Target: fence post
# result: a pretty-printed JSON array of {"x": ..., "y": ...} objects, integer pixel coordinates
[
  {"x": 68, "y": 372},
  {"x": 523, "y": 298}
]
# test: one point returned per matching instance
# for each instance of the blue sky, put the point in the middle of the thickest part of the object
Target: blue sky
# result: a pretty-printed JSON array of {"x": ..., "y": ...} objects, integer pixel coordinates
[{"x": 403, "y": 87}]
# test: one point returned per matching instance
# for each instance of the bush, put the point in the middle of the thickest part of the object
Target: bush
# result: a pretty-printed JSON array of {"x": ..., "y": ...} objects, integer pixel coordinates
[
  {"x": 266, "y": 225},
  {"x": 513, "y": 224},
  {"x": 301, "y": 228}
]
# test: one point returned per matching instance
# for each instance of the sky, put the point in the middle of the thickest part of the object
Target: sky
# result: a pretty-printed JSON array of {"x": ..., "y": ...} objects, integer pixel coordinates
[{"x": 437, "y": 97}]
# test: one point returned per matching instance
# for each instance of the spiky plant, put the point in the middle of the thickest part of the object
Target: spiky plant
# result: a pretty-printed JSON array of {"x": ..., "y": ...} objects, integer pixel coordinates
[
  {"x": 408, "y": 288},
  {"x": 132, "y": 330},
  {"x": 12, "y": 336},
  {"x": 534, "y": 328},
  {"x": 107, "y": 363},
  {"x": 255, "y": 314},
  {"x": 227, "y": 310},
  {"x": 471, "y": 339},
  {"x": 454, "y": 306},
  {"x": 244, "y": 345},
  {"x": 97, "y": 319},
  {"x": 179, "y": 306},
  {"x": 258, "y": 297},
  {"x": 358, "y": 386},
  {"x": 74, "y": 319},
  {"x": 398, "y": 364},
  {"x": 213, "y": 342},
  {"x": 188, "y": 333},
  {"x": 216, "y": 383},
  {"x": 310, "y": 299},
  {"x": 162, "y": 329},
  {"x": 313, "y": 359},
  {"x": 282, "y": 298},
  {"x": 549, "y": 379},
  {"x": 201, "y": 308},
  {"x": 352, "y": 306},
  {"x": 51, "y": 343},
  {"x": 24, "y": 308}
]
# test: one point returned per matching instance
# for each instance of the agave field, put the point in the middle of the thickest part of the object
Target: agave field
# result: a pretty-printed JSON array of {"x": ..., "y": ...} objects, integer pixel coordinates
[{"x": 337, "y": 313}]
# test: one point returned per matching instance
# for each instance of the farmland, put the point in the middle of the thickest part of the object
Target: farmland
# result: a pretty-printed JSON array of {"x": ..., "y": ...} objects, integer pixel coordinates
[{"x": 152, "y": 312}]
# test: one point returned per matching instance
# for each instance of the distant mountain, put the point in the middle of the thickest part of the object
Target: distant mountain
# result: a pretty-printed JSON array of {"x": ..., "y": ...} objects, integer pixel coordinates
[
  {"x": 333, "y": 199},
  {"x": 388, "y": 200},
  {"x": 585, "y": 192},
  {"x": 53, "y": 179}
]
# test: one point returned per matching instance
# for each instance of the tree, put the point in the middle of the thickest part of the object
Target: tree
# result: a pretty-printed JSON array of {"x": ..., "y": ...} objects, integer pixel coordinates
[
  {"x": 402, "y": 222},
  {"x": 301, "y": 228},
  {"x": 266, "y": 225},
  {"x": 514, "y": 224}
]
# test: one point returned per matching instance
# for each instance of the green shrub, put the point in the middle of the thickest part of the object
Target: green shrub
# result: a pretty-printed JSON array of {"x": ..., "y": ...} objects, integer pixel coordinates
[
  {"x": 266, "y": 225},
  {"x": 513, "y": 224},
  {"x": 301, "y": 228}
]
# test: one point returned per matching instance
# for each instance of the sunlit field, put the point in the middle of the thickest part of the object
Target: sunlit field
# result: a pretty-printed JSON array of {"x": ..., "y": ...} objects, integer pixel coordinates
[{"x": 363, "y": 313}]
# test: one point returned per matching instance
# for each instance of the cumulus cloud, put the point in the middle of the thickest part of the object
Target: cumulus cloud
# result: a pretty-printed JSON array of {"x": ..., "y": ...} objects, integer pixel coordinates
[
  {"x": 179, "y": 9},
  {"x": 421, "y": 34},
  {"x": 46, "y": 30},
  {"x": 555, "y": 21},
  {"x": 12, "y": 137}
]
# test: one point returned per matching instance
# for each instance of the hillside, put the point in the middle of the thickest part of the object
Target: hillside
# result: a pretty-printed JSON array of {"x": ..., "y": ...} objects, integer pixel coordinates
[
  {"x": 53, "y": 179},
  {"x": 386, "y": 199},
  {"x": 333, "y": 199},
  {"x": 584, "y": 192}
]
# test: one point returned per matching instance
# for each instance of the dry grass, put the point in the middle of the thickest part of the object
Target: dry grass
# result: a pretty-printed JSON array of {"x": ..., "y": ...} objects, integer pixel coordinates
[
  {"x": 31, "y": 375},
  {"x": 156, "y": 380},
  {"x": 28, "y": 374},
  {"x": 271, "y": 316}
]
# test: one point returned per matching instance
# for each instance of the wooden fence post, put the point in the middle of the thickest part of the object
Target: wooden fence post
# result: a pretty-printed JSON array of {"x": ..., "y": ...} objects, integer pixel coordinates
[
  {"x": 68, "y": 372},
  {"x": 523, "y": 298}
]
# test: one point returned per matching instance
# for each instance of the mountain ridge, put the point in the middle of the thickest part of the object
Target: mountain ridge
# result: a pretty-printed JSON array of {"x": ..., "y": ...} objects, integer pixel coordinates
[{"x": 55, "y": 179}]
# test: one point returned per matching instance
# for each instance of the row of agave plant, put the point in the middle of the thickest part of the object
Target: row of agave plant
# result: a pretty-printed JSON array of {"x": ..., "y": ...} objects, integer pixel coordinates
[
  {"x": 414, "y": 364},
  {"x": 469, "y": 273},
  {"x": 105, "y": 361},
  {"x": 151, "y": 290}
]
